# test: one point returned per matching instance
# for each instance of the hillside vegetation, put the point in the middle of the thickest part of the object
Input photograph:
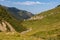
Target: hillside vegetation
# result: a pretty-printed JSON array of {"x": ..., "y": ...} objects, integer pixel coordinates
[
  {"x": 48, "y": 27},
  {"x": 19, "y": 14},
  {"x": 6, "y": 16}
]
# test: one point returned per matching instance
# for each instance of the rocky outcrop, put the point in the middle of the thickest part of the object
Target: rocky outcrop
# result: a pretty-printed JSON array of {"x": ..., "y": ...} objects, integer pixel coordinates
[
  {"x": 41, "y": 17},
  {"x": 4, "y": 25}
]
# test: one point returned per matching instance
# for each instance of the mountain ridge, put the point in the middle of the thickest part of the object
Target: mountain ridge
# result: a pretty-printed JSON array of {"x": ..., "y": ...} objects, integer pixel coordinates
[{"x": 17, "y": 13}]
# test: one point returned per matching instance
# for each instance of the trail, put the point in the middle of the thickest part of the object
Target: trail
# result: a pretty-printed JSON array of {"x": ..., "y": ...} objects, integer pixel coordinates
[{"x": 24, "y": 32}]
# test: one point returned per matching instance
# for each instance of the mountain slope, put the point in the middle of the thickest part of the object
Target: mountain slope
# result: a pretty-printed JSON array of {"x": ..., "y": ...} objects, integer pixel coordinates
[
  {"x": 45, "y": 25},
  {"x": 19, "y": 14},
  {"x": 9, "y": 21},
  {"x": 46, "y": 13}
]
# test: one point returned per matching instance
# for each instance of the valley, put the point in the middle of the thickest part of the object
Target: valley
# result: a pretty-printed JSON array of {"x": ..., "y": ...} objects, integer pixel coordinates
[{"x": 18, "y": 24}]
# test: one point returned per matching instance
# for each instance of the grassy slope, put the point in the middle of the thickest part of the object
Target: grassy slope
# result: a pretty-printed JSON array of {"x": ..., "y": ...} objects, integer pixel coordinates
[
  {"x": 48, "y": 27},
  {"x": 16, "y": 36},
  {"x": 4, "y": 15}
]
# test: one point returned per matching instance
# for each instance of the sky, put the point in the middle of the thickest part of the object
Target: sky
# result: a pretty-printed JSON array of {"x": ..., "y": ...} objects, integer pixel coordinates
[{"x": 33, "y": 6}]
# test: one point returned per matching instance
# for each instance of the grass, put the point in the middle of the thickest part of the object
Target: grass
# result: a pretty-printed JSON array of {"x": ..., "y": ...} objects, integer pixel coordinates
[
  {"x": 16, "y": 36},
  {"x": 47, "y": 28}
]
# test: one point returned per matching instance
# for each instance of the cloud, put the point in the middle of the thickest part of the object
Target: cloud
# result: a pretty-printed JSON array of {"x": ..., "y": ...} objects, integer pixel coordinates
[
  {"x": 2, "y": 0},
  {"x": 29, "y": 3},
  {"x": 5, "y": 1}
]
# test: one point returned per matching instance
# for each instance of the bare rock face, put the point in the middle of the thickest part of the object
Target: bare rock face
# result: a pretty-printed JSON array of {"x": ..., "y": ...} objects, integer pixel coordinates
[
  {"x": 36, "y": 17},
  {"x": 4, "y": 25}
]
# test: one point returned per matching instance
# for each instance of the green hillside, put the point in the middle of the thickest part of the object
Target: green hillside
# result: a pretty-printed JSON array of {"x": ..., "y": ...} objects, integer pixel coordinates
[
  {"x": 6, "y": 16},
  {"x": 48, "y": 27}
]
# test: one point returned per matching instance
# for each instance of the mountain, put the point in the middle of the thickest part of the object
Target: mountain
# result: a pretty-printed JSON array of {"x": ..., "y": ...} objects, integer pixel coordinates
[
  {"x": 8, "y": 23},
  {"x": 19, "y": 14},
  {"x": 45, "y": 25}
]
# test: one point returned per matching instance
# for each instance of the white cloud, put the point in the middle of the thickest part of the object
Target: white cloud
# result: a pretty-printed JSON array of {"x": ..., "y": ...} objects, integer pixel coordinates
[
  {"x": 2, "y": 0},
  {"x": 29, "y": 3},
  {"x": 5, "y": 1}
]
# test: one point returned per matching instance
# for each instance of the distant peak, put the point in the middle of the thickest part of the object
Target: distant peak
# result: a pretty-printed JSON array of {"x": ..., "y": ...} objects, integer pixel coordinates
[
  {"x": 58, "y": 6},
  {"x": 0, "y": 5}
]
